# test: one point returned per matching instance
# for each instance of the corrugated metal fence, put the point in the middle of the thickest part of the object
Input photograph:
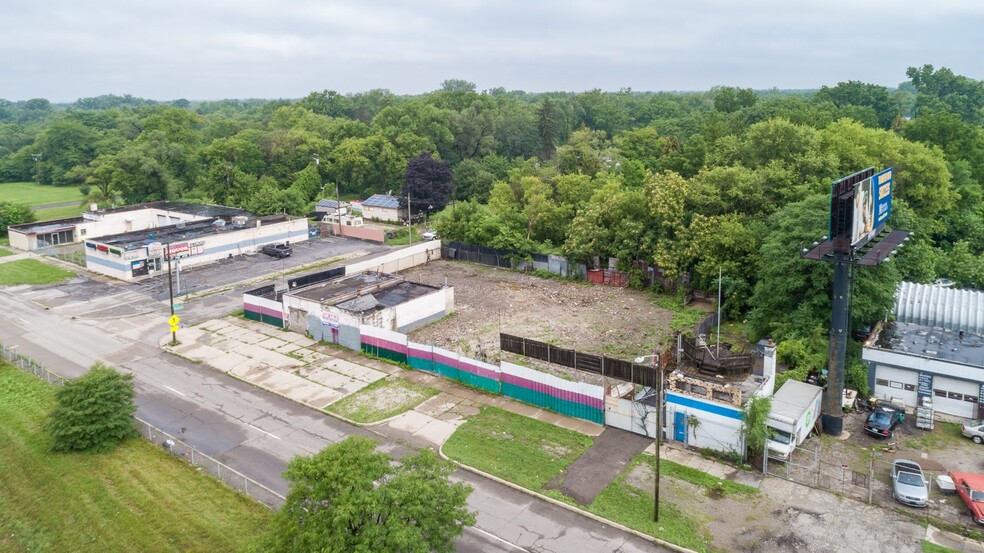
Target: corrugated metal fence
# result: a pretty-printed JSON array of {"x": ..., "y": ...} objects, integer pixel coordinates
[{"x": 644, "y": 374}]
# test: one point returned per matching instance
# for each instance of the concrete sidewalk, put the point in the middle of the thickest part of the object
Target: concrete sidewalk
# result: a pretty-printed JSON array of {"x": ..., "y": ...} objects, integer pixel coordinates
[{"x": 317, "y": 375}]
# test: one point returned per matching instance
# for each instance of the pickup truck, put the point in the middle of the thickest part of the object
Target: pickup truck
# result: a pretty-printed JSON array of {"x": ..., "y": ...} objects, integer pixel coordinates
[
  {"x": 909, "y": 486},
  {"x": 277, "y": 250}
]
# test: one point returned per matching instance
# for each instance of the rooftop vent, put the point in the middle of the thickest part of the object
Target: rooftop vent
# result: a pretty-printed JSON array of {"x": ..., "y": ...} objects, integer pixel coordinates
[{"x": 239, "y": 220}]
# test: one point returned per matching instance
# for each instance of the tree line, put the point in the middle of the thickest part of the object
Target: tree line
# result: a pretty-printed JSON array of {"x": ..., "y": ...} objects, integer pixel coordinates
[{"x": 729, "y": 179}]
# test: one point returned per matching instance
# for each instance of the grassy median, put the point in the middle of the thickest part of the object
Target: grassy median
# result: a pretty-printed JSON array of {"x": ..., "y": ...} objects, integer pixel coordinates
[
  {"x": 31, "y": 271},
  {"x": 380, "y": 400},
  {"x": 137, "y": 498}
]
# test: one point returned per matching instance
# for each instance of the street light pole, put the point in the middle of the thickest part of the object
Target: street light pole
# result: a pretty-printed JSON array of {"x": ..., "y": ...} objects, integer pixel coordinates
[
  {"x": 659, "y": 425},
  {"x": 170, "y": 293}
]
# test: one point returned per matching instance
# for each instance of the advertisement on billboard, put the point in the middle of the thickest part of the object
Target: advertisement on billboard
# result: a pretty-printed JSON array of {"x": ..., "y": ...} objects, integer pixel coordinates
[
  {"x": 864, "y": 212},
  {"x": 883, "y": 196}
]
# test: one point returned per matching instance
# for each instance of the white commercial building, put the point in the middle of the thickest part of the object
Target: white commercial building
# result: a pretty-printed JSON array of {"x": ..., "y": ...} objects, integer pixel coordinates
[{"x": 934, "y": 350}]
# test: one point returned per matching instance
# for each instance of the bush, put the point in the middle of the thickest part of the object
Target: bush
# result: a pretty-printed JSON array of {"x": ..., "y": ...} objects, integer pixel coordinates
[
  {"x": 14, "y": 214},
  {"x": 93, "y": 412}
]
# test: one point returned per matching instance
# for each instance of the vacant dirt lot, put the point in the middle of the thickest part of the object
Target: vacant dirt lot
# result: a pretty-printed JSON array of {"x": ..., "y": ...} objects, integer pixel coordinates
[{"x": 617, "y": 322}]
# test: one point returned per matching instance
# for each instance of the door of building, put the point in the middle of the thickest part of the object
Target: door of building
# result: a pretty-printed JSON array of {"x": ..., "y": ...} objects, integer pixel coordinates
[{"x": 680, "y": 426}]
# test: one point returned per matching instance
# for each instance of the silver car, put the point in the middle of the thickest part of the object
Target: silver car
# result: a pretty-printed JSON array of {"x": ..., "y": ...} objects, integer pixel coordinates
[
  {"x": 974, "y": 431},
  {"x": 909, "y": 486}
]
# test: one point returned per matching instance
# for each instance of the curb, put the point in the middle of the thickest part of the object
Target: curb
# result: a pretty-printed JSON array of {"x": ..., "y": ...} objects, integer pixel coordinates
[{"x": 613, "y": 524}]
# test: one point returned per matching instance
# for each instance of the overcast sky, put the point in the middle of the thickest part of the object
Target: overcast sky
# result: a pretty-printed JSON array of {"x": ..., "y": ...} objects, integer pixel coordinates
[{"x": 63, "y": 50}]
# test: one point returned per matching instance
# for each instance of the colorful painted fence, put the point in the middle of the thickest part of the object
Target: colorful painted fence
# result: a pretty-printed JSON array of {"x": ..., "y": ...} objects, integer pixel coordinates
[
  {"x": 451, "y": 365},
  {"x": 575, "y": 399},
  {"x": 385, "y": 344},
  {"x": 258, "y": 306}
]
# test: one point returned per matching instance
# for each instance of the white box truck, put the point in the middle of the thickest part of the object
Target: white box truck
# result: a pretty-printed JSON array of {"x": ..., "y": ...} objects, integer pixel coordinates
[{"x": 795, "y": 409}]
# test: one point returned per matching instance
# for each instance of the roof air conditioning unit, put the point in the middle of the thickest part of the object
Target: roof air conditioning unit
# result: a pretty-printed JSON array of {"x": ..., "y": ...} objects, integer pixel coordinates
[{"x": 239, "y": 220}]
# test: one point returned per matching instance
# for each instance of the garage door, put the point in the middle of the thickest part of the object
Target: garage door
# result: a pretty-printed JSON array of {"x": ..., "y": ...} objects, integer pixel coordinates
[
  {"x": 896, "y": 383},
  {"x": 955, "y": 397}
]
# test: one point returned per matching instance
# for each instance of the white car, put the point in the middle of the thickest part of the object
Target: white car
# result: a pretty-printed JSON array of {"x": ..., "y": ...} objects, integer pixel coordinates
[
  {"x": 974, "y": 431},
  {"x": 909, "y": 486}
]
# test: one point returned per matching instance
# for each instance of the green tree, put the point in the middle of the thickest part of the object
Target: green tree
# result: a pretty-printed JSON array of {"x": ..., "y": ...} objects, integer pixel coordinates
[
  {"x": 14, "y": 214},
  {"x": 754, "y": 431},
  {"x": 350, "y": 498},
  {"x": 856, "y": 93},
  {"x": 548, "y": 127},
  {"x": 471, "y": 180},
  {"x": 729, "y": 99},
  {"x": 93, "y": 412}
]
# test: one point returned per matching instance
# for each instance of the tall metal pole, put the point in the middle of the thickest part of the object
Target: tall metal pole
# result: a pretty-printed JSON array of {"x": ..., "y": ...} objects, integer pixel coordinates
[
  {"x": 659, "y": 426},
  {"x": 833, "y": 409},
  {"x": 409, "y": 219},
  {"x": 717, "y": 348},
  {"x": 170, "y": 291}
]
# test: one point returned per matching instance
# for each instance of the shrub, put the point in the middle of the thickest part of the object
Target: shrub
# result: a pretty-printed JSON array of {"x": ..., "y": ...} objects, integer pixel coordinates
[{"x": 93, "y": 412}]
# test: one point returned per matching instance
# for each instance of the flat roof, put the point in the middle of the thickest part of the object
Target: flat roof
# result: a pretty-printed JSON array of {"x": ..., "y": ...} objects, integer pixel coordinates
[
  {"x": 364, "y": 291},
  {"x": 185, "y": 231},
  {"x": 200, "y": 210},
  {"x": 957, "y": 346}
]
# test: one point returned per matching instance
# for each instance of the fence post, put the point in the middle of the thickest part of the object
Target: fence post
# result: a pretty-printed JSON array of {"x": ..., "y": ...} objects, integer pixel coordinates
[
  {"x": 193, "y": 456},
  {"x": 218, "y": 469},
  {"x": 871, "y": 477}
]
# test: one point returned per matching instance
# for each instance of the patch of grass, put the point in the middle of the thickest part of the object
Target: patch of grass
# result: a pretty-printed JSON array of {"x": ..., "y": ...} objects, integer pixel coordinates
[
  {"x": 683, "y": 317},
  {"x": 137, "y": 498},
  {"x": 63, "y": 212},
  {"x": 31, "y": 271},
  {"x": 401, "y": 237},
  {"x": 946, "y": 434},
  {"x": 34, "y": 194},
  {"x": 712, "y": 484},
  {"x": 519, "y": 449},
  {"x": 930, "y": 547},
  {"x": 628, "y": 505},
  {"x": 382, "y": 399},
  {"x": 4, "y": 252}
]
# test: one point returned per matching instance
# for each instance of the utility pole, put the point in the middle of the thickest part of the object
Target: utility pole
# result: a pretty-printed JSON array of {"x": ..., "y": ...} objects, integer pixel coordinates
[
  {"x": 409, "y": 220},
  {"x": 170, "y": 296},
  {"x": 659, "y": 426}
]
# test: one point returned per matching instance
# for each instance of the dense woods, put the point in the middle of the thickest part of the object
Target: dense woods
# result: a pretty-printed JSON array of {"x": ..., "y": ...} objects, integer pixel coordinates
[{"x": 729, "y": 179}]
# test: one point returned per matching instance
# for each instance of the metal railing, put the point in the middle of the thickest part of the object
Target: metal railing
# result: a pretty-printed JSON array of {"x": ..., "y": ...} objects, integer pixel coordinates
[{"x": 222, "y": 472}]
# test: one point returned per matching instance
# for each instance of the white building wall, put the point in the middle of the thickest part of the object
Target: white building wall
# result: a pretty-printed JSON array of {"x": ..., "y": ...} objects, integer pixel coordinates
[
  {"x": 380, "y": 213},
  {"x": 399, "y": 260},
  {"x": 900, "y": 383},
  {"x": 212, "y": 247},
  {"x": 719, "y": 427},
  {"x": 21, "y": 241},
  {"x": 420, "y": 311}
]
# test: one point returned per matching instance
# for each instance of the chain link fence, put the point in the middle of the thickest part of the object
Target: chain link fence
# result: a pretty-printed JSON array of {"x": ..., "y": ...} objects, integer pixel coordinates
[{"x": 226, "y": 474}]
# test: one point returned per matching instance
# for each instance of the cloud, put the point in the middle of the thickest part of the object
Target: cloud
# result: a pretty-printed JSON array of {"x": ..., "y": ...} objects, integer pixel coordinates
[{"x": 205, "y": 49}]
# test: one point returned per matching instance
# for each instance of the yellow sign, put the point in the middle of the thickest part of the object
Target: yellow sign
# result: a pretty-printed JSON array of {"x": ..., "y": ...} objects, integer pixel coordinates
[
  {"x": 174, "y": 328},
  {"x": 174, "y": 320}
]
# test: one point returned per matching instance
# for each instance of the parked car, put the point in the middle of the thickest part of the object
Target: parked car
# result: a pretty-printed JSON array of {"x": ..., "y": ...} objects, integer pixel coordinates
[
  {"x": 909, "y": 485},
  {"x": 277, "y": 250},
  {"x": 429, "y": 235},
  {"x": 883, "y": 419},
  {"x": 974, "y": 431},
  {"x": 970, "y": 488}
]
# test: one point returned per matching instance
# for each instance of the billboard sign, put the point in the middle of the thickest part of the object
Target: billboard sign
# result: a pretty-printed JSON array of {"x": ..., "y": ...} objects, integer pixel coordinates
[
  {"x": 863, "y": 220},
  {"x": 176, "y": 250},
  {"x": 883, "y": 196}
]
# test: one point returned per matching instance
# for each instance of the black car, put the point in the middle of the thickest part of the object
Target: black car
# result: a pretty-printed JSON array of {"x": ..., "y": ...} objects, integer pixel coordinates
[
  {"x": 277, "y": 250},
  {"x": 883, "y": 420}
]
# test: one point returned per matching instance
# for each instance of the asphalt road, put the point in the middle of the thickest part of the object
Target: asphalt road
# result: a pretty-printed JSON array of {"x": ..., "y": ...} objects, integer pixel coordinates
[{"x": 251, "y": 430}]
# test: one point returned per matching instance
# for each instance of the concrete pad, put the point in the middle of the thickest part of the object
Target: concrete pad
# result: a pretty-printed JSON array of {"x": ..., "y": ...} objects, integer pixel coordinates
[
  {"x": 229, "y": 361},
  {"x": 353, "y": 386},
  {"x": 214, "y": 325},
  {"x": 437, "y": 431},
  {"x": 271, "y": 343},
  {"x": 271, "y": 358},
  {"x": 328, "y": 378},
  {"x": 202, "y": 353},
  {"x": 299, "y": 339},
  {"x": 357, "y": 372},
  {"x": 435, "y": 406},
  {"x": 522, "y": 409},
  {"x": 250, "y": 336},
  {"x": 451, "y": 416},
  {"x": 589, "y": 428},
  {"x": 466, "y": 410},
  {"x": 555, "y": 419},
  {"x": 410, "y": 421},
  {"x": 287, "y": 348}
]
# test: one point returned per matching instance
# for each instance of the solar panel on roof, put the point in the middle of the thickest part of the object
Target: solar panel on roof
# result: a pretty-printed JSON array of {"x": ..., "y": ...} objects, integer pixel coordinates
[{"x": 382, "y": 200}]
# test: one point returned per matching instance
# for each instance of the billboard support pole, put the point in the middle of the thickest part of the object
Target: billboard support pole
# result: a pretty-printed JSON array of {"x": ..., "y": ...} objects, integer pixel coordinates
[{"x": 833, "y": 409}]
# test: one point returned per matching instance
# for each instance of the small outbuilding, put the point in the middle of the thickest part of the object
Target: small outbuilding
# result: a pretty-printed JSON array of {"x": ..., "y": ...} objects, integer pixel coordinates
[{"x": 384, "y": 208}]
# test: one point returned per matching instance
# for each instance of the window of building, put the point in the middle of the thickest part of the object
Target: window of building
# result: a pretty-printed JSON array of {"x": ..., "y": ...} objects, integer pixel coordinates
[
  {"x": 894, "y": 384},
  {"x": 698, "y": 390},
  {"x": 970, "y": 399},
  {"x": 881, "y": 382},
  {"x": 721, "y": 395},
  {"x": 939, "y": 393},
  {"x": 954, "y": 395},
  {"x": 910, "y": 387}
]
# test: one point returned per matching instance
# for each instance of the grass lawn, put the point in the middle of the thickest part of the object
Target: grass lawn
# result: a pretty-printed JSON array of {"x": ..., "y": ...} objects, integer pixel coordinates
[
  {"x": 382, "y": 399},
  {"x": 684, "y": 317},
  {"x": 930, "y": 547},
  {"x": 33, "y": 194},
  {"x": 946, "y": 434},
  {"x": 521, "y": 450},
  {"x": 135, "y": 499},
  {"x": 4, "y": 251},
  {"x": 63, "y": 212},
  {"x": 31, "y": 271},
  {"x": 714, "y": 486}
]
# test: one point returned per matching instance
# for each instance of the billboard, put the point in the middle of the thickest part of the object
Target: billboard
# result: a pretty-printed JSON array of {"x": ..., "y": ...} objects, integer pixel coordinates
[
  {"x": 863, "y": 217},
  {"x": 883, "y": 196},
  {"x": 872, "y": 206}
]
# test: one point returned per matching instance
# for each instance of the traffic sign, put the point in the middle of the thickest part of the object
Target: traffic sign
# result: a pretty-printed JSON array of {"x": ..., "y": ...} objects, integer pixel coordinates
[
  {"x": 178, "y": 306},
  {"x": 174, "y": 328},
  {"x": 174, "y": 320}
]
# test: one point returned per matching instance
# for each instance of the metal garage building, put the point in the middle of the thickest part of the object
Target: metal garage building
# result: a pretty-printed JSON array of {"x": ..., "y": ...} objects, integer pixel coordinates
[{"x": 935, "y": 349}]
